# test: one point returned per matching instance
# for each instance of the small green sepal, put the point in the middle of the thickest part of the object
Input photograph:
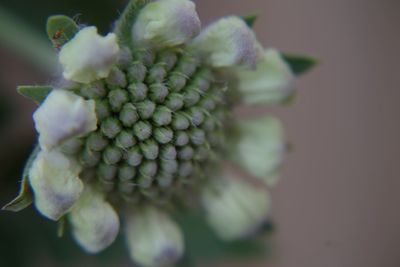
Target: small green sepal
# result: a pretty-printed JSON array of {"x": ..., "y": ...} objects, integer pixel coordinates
[
  {"x": 24, "y": 198},
  {"x": 61, "y": 227},
  {"x": 299, "y": 64},
  {"x": 61, "y": 29},
  {"x": 250, "y": 20},
  {"x": 37, "y": 93}
]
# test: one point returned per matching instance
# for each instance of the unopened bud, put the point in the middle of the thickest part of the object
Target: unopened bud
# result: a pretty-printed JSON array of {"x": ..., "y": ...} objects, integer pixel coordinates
[
  {"x": 162, "y": 116},
  {"x": 128, "y": 115},
  {"x": 134, "y": 156},
  {"x": 96, "y": 141},
  {"x": 110, "y": 127},
  {"x": 163, "y": 135},
  {"x": 149, "y": 149},
  {"x": 137, "y": 72},
  {"x": 142, "y": 130},
  {"x": 180, "y": 122},
  {"x": 146, "y": 109},
  {"x": 125, "y": 140},
  {"x": 118, "y": 98},
  {"x": 112, "y": 155},
  {"x": 174, "y": 101},
  {"x": 181, "y": 139}
]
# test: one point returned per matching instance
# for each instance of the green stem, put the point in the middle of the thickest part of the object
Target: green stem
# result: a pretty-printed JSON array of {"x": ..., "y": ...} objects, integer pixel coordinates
[{"x": 18, "y": 36}]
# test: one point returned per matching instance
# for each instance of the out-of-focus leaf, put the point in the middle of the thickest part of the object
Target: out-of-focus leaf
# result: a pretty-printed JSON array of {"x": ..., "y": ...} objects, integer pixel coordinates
[
  {"x": 203, "y": 245},
  {"x": 18, "y": 36},
  {"x": 299, "y": 64},
  {"x": 61, "y": 29},
  {"x": 24, "y": 198},
  {"x": 250, "y": 20},
  {"x": 37, "y": 93},
  {"x": 123, "y": 26}
]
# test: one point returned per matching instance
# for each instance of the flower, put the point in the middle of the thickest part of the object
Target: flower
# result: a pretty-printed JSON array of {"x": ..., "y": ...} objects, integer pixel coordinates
[
  {"x": 166, "y": 23},
  {"x": 271, "y": 83},
  {"x": 234, "y": 208},
  {"x": 154, "y": 240},
  {"x": 229, "y": 42},
  {"x": 100, "y": 53},
  {"x": 148, "y": 122},
  {"x": 94, "y": 221},
  {"x": 63, "y": 115},
  {"x": 54, "y": 180},
  {"x": 260, "y": 148}
]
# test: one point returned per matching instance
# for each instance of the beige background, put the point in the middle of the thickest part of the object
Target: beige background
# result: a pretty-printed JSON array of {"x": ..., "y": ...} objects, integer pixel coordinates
[
  {"x": 337, "y": 204},
  {"x": 338, "y": 201}
]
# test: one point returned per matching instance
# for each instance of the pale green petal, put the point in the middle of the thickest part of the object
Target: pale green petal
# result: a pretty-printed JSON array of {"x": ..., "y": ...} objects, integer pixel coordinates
[
  {"x": 166, "y": 23},
  {"x": 55, "y": 183},
  {"x": 260, "y": 148},
  {"x": 229, "y": 42},
  {"x": 272, "y": 82},
  {"x": 89, "y": 56},
  {"x": 63, "y": 115},
  {"x": 154, "y": 239},
  {"x": 235, "y": 208},
  {"x": 95, "y": 224}
]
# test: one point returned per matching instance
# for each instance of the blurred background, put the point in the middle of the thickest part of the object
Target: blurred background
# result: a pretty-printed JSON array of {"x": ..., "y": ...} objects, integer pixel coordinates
[{"x": 337, "y": 203}]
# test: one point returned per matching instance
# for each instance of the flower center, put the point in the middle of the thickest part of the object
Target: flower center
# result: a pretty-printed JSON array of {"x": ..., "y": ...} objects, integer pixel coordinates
[{"x": 160, "y": 125}]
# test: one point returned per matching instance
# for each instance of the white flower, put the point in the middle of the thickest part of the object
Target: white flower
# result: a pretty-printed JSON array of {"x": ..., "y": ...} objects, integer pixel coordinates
[
  {"x": 95, "y": 224},
  {"x": 154, "y": 240},
  {"x": 234, "y": 208},
  {"x": 89, "y": 56},
  {"x": 260, "y": 148},
  {"x": 166, "y": 23},
  {"x": 270, "y": 83},
  {"x": 229, "y": 42},
  {"x": 63, "y": 115},
  {"x": 55, "y": 183}
]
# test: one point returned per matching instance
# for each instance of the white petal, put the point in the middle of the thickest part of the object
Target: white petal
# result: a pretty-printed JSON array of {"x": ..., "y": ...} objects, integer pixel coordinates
[
  {"x": 63, "y": 115},
  {"x": 166, "y": 23},
  {"x": 271, "y": 82},
  {"x": 234, "y": 208},
  {"x": 154, "y": 240},
  {"x": 55, "y": 183},
  {"x": 260, "y": 148},
  {"x": 229, "y": 42},
  {"x": 89, "y": 56},
  {"x": 95, "y": 224}
]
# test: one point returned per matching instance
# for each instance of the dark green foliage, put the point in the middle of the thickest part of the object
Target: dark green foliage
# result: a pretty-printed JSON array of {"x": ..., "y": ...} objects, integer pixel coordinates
[{"x": 299, "y": 64}]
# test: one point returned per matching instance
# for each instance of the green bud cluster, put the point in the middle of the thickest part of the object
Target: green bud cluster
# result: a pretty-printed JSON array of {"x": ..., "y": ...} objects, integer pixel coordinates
[{"x": 160, "y": 121}]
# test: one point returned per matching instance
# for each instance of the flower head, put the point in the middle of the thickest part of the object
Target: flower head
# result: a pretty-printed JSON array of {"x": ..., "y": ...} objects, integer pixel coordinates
[
  {"x": 94, "y": 221},
  {"x": 88, "y": 56},
  {"x": 154, "y": 240},
  {"x": 54, "y": 180},
  {"x": 243, "y": 205},
  {"x": 272, "y": 82},
  {"x": 166, "y": 23},
  {"x": 229, "y": 42},
  {"x": 64, "y": 115},
  {"x": 147, "y": 123}
]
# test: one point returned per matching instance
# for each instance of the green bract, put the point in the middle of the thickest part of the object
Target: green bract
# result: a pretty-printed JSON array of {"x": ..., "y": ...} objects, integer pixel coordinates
[{"x": 141, "y": 122}]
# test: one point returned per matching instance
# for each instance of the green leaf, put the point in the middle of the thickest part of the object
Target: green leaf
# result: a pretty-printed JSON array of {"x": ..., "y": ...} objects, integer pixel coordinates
[
  {"x": 299, "y": 64},
  {"x": 250, "y": 20},
  {"x": 123, "y": 25},
  {"x": 24, "y": 198},
  {"x": 37, "y": 93},
  {"x": 61, "y": 29}
]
